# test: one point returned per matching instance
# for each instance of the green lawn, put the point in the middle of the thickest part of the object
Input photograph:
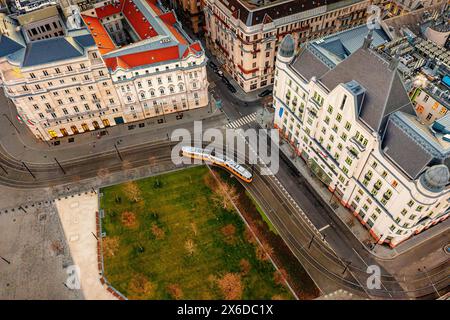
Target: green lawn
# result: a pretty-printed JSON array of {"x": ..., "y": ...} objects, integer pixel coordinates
[
  {"x": 263, "y": 215},
  {"x": 172, "y": 243}
]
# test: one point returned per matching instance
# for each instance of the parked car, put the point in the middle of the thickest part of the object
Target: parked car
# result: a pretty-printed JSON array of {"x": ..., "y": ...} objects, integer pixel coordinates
[
  {"x": 220, "y": 73},
  {"x": 226, "y": 81},
  {"x": 213, "y": 66},
  {"x": 231, "y": 88},
  {"x": 265, "y": 93}
]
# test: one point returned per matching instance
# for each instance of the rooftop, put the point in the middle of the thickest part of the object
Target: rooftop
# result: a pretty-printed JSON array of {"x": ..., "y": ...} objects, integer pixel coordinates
[
  {"x": 385, "y": 106},
  {"x": 160, "y": 35},
  {"x": 254, "y": 12},
  {"x": 339, "y": 46}
]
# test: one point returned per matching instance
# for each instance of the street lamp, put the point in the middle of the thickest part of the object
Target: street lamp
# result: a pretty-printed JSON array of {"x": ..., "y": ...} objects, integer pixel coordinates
[
  {"x": 17, "y": 130},
  {"x": 8, "y": 262},
  {"x": 334, "y": 190},
  {"x": 118, "y": 153}
]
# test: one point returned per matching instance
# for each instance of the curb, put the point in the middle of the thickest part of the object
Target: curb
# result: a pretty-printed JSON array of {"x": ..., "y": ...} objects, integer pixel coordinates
[{"x": 103, "y": 279}]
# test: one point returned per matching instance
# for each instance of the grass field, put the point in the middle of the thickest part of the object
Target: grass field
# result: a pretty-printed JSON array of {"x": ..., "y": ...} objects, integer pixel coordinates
[{"x": 176, "y": 236}]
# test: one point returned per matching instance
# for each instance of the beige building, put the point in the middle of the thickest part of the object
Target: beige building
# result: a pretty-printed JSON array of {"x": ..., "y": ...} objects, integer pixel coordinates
[
  {"x": 190, "y": 12},
  {"x": 431, "y": 103},
  {"x": 88, "y": 78},
  {"x": 401, "y": 7},
  {"x": 245, "y": 35},
  {"x": 355, "y": 127}
]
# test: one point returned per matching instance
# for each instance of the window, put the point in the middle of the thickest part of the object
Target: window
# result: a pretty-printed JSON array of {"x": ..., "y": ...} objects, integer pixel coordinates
[
  {"x": 330, "y": 109},
  {"x": 378, "y": 184},
  {"x": 410, "y": 203},
  {"x": 343, "y": 102},
  {"x": 349, "y": 161},
  {"x": 419, "y": 208},
  {"x": 348, "y": 126},
  {"x": 404, "y": 212},
  {"x": 339, "y": 117},
  {"x": 344, "y": 136}
]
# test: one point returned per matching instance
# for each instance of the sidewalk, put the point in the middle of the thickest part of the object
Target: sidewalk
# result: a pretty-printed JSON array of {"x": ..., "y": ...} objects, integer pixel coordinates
[
  {"x": 359, "y": 231},
  {"x": 25, "y": 147},
  {"x": 78, "y": 220}
]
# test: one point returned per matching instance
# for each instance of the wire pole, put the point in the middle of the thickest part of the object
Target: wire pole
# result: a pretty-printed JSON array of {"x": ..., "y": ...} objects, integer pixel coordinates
[
  {"x": 118, "y": 153},
  {"x": 8, "y": 262},
  {"x": 310, "y": 242},
  {"x": 59, "y": 164},
  {"x": 346, "y": 266},
  {"x": 3, "y": 168},
  {"x": 28, "y": 169},
  {"x": 429, "y": 279}
]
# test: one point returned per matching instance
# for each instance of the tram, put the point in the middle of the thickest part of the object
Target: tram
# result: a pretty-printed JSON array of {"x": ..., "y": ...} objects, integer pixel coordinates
[{"x": 224, "y": 162}]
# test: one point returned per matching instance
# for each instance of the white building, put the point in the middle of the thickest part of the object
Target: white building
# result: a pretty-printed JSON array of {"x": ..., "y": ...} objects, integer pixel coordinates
[
  {"x": 126, "y": 61},
  {"x": 354, "y": 125}
]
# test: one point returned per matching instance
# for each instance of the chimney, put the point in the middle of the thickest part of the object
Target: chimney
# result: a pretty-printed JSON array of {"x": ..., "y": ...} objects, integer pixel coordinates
[
  {"x": 393, "y": 64},
  {"x": 368, "y": 39}
]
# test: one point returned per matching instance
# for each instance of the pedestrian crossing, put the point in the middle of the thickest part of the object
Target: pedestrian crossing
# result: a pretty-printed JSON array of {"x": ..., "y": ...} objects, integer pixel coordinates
[{"x": 242, "y": 121}]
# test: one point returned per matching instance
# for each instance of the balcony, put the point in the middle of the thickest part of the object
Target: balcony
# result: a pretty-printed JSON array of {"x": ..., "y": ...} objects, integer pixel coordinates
[
  {"x": 352, "y": 152},
  {"x": 358, "y": 144},
  {"x": 316, "y": 103}
]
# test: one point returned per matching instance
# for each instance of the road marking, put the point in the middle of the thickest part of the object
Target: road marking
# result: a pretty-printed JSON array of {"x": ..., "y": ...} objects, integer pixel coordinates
[
  {"x": 242, "y": 121},
  {"x": 324, "y": 228}
]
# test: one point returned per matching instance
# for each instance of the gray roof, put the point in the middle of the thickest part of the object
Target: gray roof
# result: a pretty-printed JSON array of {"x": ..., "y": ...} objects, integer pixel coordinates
[
  {"x": 339, "y": 46},
  {"x": 405, "y": 150},
  {"x": 85, "y": 40},
  {"x": 60, "y": 49},
  {"x": 308, "y": 65},
  {"x": 287, "y": 47},
  {"x": 385, "y": 91},
  {"x": 8, "y": 46},
  {"x": 435, "y": 178}
]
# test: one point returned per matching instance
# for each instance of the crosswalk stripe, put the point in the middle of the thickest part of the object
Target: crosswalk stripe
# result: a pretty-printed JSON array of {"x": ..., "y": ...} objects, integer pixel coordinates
[{"x": 242, "y": 121}]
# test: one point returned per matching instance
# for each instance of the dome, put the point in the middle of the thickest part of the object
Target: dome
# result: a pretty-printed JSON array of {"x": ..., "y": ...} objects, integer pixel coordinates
[
  {"x": 435, "y": 178},
  {"x": 287, "y": 47}
]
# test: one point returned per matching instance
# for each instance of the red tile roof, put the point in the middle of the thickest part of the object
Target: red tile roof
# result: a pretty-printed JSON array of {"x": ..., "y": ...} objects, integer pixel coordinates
[
  {"x": 143, "y": 58},
  {"x": 144, "y": 30},
  {"x": 100, "y": 35},
  {"x": 109, "y": 9},
  {"x": 137, "y": 20}
]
